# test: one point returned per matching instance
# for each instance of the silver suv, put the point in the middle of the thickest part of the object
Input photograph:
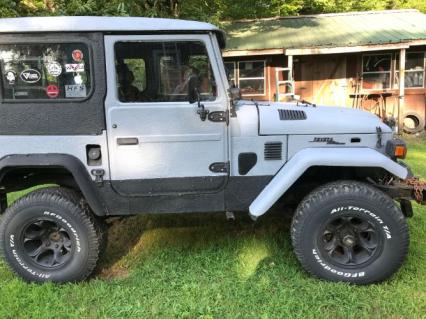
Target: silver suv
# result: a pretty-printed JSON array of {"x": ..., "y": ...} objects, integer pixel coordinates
[{"x": 133, "y": 115}]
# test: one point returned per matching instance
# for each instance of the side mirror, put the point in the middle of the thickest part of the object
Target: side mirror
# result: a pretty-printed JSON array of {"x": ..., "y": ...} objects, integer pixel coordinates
[
  {"x": 235, "y": 93},
  {"x": 194, "y": 96},
  {"x": 193, "y": 89}
]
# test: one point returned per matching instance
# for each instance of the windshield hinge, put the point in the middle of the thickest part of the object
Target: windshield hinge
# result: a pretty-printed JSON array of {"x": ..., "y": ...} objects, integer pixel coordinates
[{"x": 219, "y": 116}]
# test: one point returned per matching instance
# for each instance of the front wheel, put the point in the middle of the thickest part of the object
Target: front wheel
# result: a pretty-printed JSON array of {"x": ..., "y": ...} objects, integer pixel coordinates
[{"x": 350, "y": 231}]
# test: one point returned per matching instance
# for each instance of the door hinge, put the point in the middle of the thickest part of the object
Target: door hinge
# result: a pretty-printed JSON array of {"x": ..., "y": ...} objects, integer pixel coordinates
[
  {"x": 219, "y": 116},
  {"x": 219, "y": 167}
]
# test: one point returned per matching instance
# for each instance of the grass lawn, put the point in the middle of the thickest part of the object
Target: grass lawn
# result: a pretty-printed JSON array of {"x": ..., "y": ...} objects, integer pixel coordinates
[{"x": 205, "y": 267}]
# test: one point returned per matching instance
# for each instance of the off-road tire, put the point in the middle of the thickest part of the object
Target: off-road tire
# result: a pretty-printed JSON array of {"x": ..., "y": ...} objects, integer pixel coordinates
[
  {"x": 55, "y": 208},
  {"x": 78, "y": 199},
  {"x": 357, "y": 209}
]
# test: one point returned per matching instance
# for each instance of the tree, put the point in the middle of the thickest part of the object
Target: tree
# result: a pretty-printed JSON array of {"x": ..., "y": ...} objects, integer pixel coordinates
[{"x": 206, "y": 10}]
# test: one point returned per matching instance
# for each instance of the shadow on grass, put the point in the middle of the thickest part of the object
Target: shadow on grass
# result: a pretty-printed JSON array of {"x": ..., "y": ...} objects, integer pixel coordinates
[{"x": 131, "y": 238}]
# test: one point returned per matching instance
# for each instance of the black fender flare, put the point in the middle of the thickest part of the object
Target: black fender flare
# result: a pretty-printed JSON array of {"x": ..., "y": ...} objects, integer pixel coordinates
[{"x": 70, "y": 163}]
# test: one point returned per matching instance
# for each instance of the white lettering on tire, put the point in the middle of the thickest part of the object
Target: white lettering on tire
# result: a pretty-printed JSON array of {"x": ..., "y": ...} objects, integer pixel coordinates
[
  {"x": 334, "y": 271},
  {"x": 21, "y": 262}
]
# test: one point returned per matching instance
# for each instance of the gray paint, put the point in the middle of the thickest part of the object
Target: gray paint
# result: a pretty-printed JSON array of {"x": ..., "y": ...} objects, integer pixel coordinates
[
  {"x": 173, "y": 141},
  {"x": 320, "y": 120},
  {"x": 70, "y": 145},
  {"x": 308, "y": 157}
]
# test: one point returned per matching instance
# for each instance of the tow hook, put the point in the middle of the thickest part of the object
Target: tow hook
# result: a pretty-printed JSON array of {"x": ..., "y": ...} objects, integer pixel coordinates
[{"x": 419, "y": 188}]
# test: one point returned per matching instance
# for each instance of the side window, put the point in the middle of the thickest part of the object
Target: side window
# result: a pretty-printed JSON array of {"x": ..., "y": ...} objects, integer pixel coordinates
[
  {"x": 45, "y": 71},
  {"x": 414, "y": 70},
  {"x": 160, "y": 71}
]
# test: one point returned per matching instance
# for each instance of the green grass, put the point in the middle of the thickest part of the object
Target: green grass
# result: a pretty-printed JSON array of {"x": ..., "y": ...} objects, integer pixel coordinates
[{"x": 205, "y": 267}]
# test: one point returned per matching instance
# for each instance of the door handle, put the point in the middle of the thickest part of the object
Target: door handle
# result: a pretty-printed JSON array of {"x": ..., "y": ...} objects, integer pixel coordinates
[{"x": 128, "y": 141}]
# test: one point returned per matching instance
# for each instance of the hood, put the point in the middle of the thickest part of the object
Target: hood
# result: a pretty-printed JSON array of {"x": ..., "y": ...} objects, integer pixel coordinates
[{"x": 290, "y": 118}]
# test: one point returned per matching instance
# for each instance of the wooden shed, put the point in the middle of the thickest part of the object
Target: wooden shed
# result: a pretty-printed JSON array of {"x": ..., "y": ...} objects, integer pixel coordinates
[{"x": 373, "y": 60}]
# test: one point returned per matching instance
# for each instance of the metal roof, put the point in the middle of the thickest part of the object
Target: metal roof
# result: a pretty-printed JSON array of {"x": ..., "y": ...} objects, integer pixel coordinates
[
  {"x": 327, "y": 30},
  {"x": 108, "y": 24}
]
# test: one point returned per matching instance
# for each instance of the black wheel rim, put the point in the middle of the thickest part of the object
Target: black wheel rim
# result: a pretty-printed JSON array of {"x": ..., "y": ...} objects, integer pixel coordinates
[
  {"x": 349, "y": 241},
  {"x": 47, "y": 244}
]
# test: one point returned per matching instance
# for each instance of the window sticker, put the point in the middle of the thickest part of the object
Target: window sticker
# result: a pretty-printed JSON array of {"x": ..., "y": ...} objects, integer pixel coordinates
[
  {"x": 54, "y": 69},
  {"x": 77, "y": 55},
  {"x": 52, "y": 91},
  {"x": 78, "y": 79},
  {"x": 22, "y": 93},
  {"x": 11, "y": 77},
  {"x": 30, "y": 76},
  {"x": 74, "y": 68},
  {"x": 75, "y": 90}
]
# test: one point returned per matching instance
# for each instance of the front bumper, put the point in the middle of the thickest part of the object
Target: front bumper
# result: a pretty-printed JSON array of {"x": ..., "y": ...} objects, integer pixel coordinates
[{"x": 405, "y": 191}]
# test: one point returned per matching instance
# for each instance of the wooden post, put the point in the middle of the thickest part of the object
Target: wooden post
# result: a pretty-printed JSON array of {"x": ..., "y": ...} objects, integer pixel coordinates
[
  {"x": 401, "y": 97},
  {"x": 290, "y": 75}
]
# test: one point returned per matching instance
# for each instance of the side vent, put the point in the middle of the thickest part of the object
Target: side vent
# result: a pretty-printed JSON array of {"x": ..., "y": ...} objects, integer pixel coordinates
[
  {"x": 292, "y": 115},
  {"x": 273, "y": 151}
]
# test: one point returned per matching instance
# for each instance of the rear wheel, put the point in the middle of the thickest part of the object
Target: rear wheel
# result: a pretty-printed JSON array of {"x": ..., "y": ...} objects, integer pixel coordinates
[
  {"x": 350, "y": 231},
  {"x": 47, "y": 236}
]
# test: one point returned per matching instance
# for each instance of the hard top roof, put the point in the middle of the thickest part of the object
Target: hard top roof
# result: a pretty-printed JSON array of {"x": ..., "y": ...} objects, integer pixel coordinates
[{"x": 107, "y": 24}]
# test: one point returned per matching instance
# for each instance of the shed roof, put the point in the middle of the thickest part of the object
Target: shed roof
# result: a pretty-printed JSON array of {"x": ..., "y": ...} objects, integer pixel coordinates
[{"x": 318, "y": 32}]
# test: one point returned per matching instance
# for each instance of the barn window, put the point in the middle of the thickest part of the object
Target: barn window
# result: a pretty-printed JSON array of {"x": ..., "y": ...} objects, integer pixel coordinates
[
  {"x": 414, "y": 70},
  {"x": 376, "y": 71},
  {"x": 251, "y": 77},
  {"x": 231, "y": 72}
]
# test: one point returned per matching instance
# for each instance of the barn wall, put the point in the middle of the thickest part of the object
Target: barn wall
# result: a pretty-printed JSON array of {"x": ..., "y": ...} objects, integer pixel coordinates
[{"x": 331, "y": 79}]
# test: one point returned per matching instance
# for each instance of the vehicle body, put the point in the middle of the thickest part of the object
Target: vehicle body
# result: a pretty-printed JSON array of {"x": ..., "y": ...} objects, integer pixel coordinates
[{"x": 133, "y": 115}]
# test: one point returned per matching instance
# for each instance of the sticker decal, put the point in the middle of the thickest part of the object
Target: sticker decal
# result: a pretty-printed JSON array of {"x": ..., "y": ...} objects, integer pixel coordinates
[
  {"x": 54, "y": 69},
  {"x": 11, "y": 77},
  {"x": 52, "y": 91},
  {"x": 21, "y": 93},
  {"x": 75, "y": 90},
  {"x": 77, "y": 55},
  {"x": 74, "y": 67},
  {"x": 78, "y": 79},
  {"x": 30, "y": 76}
]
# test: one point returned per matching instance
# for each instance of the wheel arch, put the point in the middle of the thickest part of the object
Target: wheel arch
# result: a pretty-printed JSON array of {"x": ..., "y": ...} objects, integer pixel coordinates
[
  {"x": 20, "y": 171},
  {"x": 301, "y": 162}
]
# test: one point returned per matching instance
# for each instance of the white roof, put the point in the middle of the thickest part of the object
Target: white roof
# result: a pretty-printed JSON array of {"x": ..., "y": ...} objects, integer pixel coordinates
[{"x": 108, "y": 24}]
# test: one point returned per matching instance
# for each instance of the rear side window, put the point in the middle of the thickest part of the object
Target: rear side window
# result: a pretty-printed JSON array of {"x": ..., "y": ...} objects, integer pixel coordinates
[{"x": 45, "y": 71}]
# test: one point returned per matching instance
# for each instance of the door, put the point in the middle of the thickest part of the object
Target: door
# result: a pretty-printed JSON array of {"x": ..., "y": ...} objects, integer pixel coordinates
[{"x": 158, "y": 143}]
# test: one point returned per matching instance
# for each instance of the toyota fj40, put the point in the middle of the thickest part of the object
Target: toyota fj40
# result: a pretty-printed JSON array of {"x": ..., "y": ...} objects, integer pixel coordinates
[{"x": 133, "y": 115}]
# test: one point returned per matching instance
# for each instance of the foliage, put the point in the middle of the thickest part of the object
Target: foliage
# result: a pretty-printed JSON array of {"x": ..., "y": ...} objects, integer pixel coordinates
[{"x": 205, "y": 10}]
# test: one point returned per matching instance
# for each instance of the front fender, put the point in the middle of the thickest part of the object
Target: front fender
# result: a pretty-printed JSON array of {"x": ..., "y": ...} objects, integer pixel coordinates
[{"x": 308, "y": 157}]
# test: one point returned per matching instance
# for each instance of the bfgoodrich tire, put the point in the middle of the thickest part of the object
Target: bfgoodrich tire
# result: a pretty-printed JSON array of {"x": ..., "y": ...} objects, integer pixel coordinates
[
  {"x": 350, "y": 231},
  {"x": 46, "y": 236}
]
